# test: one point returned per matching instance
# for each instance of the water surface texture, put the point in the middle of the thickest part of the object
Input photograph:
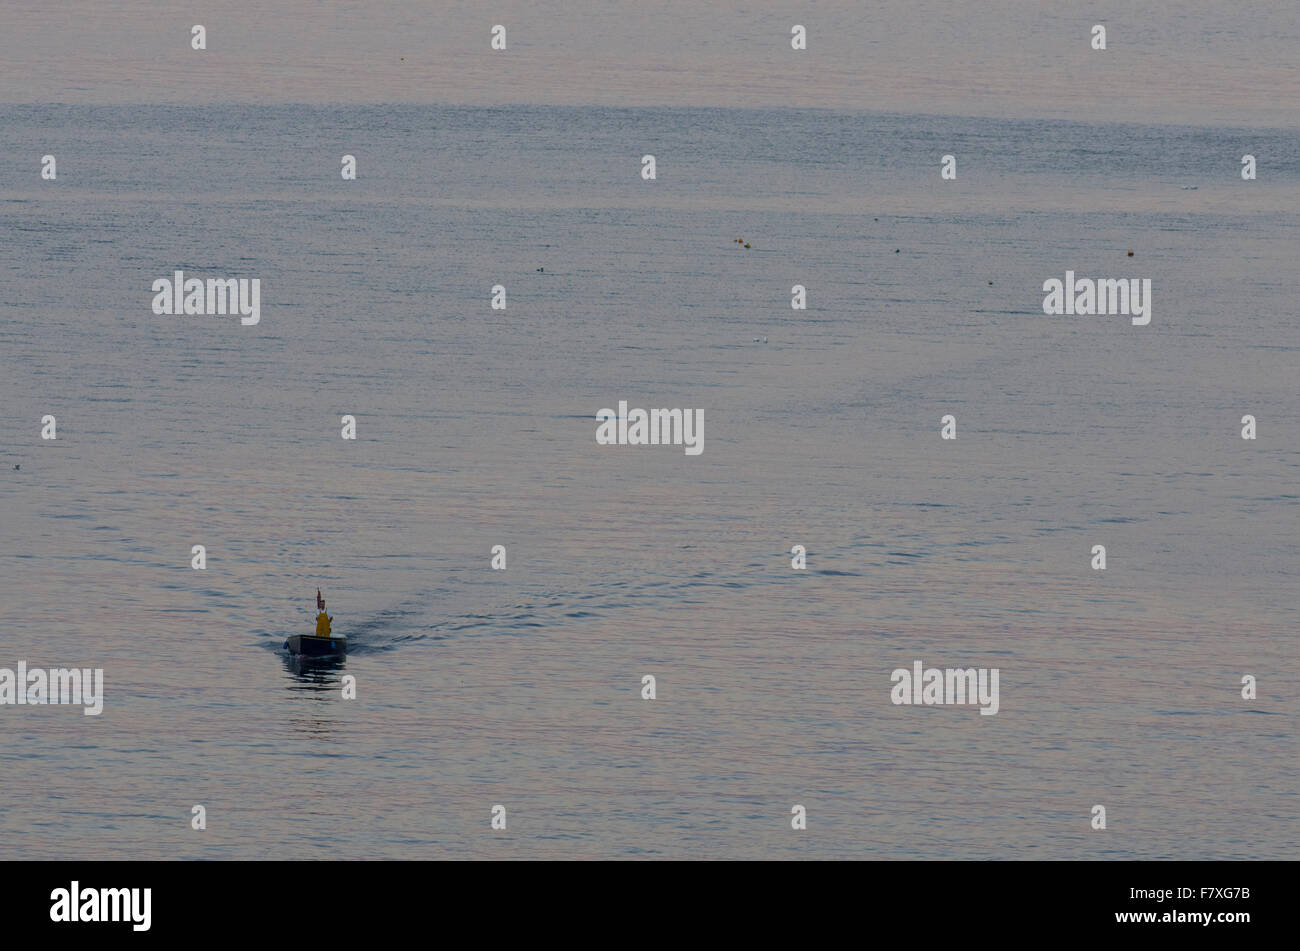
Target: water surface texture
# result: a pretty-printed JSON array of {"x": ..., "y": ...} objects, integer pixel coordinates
[{"x": 476, "y": 427}]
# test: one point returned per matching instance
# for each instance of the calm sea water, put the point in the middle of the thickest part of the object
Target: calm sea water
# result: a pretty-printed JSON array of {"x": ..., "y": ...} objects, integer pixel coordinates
[{"x": 477, "y": 687}]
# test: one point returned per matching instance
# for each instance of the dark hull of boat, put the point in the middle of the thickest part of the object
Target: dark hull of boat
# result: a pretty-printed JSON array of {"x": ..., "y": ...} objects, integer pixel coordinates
[{"x": 309, "y": 645}]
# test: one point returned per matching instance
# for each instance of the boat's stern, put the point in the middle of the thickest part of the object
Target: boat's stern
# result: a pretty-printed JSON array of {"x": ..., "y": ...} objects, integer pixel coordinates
[{"x": 309, "y": 645}]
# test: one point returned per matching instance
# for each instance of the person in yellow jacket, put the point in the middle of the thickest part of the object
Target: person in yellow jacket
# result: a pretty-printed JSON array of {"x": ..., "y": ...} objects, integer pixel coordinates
[{"x": 322, "y": 619}]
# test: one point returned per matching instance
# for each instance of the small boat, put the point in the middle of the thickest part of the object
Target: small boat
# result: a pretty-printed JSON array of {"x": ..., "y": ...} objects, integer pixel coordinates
[
  {"x": 324, "y": 643},
  {"x": 309, "y": 645}
]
